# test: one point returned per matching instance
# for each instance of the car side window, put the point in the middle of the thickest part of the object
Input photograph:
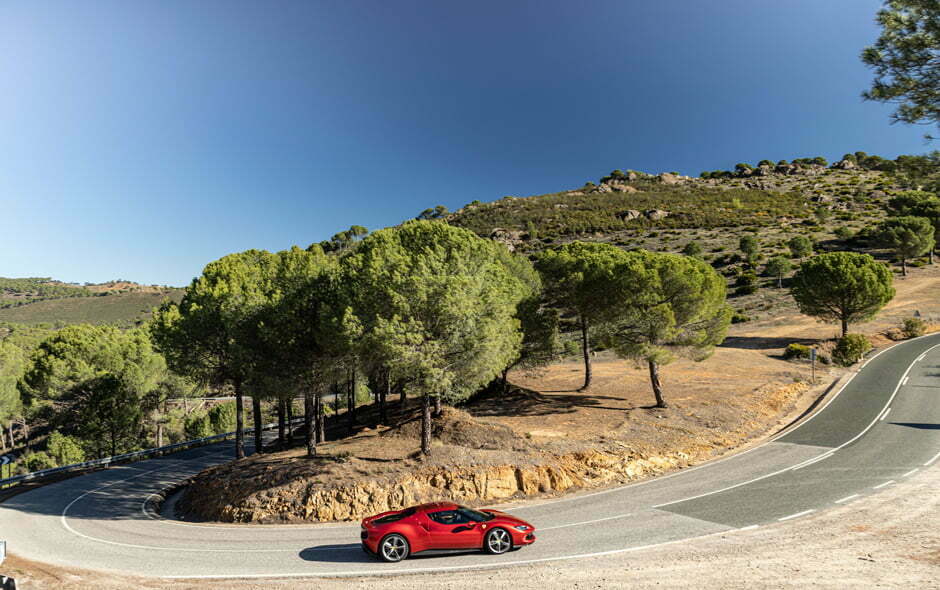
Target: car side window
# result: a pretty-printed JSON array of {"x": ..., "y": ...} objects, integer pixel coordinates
[
  {"x": 448, "y": 517},
  {"x": 443, "y": 517}
]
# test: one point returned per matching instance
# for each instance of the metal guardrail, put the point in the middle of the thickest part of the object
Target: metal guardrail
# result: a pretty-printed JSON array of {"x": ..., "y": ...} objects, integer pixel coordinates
[{"x": 135, "y": 456}]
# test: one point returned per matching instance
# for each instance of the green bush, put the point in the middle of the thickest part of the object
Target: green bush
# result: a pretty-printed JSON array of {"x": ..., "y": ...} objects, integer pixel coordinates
[
  {"x": 913, "y": 327},
  {"x": 64, "y": 450},
  {"x": 197, "y": 425},
  {"x": 796, "y": 351},
  {"x": 850, "y": 348},
  {"x": 746, "y": 283},
  {"x": 844, "y": 233},
  {"x": 222, "y": 418},
  {"x": 572, "y": 348},
  {"x": 693, "y": 249},
  {"x": 739, "y": 317},
  {"x": 39, "y": 461}
]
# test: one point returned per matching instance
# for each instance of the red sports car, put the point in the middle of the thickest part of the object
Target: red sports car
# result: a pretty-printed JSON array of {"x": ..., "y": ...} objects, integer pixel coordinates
[{"x": 395, "y": 535}]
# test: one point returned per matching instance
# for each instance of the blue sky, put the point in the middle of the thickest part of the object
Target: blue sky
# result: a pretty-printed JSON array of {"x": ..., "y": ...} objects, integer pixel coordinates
[{"x": 142, "y": 140}]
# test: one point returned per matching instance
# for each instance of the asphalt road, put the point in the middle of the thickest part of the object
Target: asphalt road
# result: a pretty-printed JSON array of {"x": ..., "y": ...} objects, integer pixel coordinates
[{"x": 882, "y": 427}]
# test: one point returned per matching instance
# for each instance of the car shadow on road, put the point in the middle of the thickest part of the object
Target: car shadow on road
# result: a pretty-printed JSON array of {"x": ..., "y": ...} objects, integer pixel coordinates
[
  {"x": 353, "y": 553},
  {"x": 337, "y": 553}
]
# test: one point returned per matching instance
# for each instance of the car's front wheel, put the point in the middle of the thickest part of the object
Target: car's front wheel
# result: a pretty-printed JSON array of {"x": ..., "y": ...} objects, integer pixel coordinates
[
  {"x": 394, "y": 548},
  {"x": 497, "y": 541}
]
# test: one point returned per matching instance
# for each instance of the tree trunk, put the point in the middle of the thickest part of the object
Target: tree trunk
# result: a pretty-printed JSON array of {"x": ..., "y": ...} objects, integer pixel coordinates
[
  {"x": 657, "y": 386},
  {"x": 586, "y": 349},
  {"x": 239, "y": 423},
  {"x": 402, "y": 397},
  {"x": 504, "y": 380},
  {"x": 383, "y": 398},
  {"x": 159, "y": 434},
  {"x": 780, "y": 282},
  {"x": 845, "y": 327},
  {"x": 26, "y": 437},
  {"x": 12, "y": 440},
  {"x": 290, "y": 421},
  {"x": 321, "y": 420},
  {"x": 310, "y": 437},
  {"x": 426, "y": 424},
  {"x": 281, "y": 418},
  {"x": 903, "y": 267},
  {"x": 438, "y": 406},
  {"x": 351, "y": 402},
  {"x": 256, "y": 415}
]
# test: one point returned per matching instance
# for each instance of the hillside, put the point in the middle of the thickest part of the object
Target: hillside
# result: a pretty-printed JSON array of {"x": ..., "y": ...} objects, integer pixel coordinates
[
  {"x": 629, "y": 206},
  {"x": 667, "y": 212},
  {"x": 43, "y": 300}
]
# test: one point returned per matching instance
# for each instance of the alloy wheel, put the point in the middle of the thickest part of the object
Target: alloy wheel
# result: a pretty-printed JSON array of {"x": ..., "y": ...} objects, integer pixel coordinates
[
  {"x": 393, "y": 549},
  {"x": 499, "y": 541}
]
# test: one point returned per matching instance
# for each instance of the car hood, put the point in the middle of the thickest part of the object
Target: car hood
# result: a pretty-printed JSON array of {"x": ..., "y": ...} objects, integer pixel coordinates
[{"x": 509, "y": 518}]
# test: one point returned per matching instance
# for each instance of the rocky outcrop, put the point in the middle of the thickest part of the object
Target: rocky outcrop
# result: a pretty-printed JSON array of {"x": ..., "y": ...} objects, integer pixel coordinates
[
  {"x": 667, "y": 178},
  {"x": 309, "y": 500},
  {"x": 629, "y": 215},
  {"x": 614, "y": 186},
  {"x": 655, "y": 214},
  {"x": 508, "y": 237},
  {"x": 845, "y": 165}
]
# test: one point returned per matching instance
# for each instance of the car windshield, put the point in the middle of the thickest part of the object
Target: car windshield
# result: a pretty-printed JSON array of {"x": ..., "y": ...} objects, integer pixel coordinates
[
  {"x": 395, "y": 517},
  {"x": 474, "y": 515}
]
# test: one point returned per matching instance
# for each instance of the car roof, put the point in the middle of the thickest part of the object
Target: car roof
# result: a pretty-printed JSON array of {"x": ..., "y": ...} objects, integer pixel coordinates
[{"x": 435, "y": 506}]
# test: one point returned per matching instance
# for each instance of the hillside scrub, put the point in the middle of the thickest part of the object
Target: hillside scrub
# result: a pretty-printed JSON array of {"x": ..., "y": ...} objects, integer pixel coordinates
[{"x": 569, "y": 213}]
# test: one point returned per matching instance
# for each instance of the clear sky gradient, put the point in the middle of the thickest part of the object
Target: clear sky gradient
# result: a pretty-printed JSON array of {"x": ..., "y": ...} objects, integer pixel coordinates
[{"x": 142, "y": 140}]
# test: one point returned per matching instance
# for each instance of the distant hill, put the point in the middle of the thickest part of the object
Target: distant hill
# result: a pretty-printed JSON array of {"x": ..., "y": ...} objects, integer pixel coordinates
[
  {"x": 44, "y": 300},
  {"x": 626, "y": 206},
  {"x": 833, "y": 206}
]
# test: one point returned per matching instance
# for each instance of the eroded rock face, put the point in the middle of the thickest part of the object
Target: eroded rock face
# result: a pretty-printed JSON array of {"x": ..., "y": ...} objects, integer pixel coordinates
[{"x": 307, "y": 500}]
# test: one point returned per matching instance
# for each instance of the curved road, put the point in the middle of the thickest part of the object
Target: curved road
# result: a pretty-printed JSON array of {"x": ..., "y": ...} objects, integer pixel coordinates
[{"x": 881, "y": 428}]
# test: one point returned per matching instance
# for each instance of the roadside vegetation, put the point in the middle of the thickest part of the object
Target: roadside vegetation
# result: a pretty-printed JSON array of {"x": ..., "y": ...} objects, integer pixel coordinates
[{"x": 439, "y": 309}]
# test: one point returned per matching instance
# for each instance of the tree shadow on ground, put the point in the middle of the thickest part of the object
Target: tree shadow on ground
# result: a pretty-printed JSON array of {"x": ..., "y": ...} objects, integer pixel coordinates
[
  {"x": 919, "y": 425},
  {"x": 527, "y": 402},
  {"x": 760, "y": 343}
]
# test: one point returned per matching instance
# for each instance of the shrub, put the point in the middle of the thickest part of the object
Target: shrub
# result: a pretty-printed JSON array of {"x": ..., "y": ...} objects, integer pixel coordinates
[
  {"x": 197, "y": 425},
  {"x": 844, "y": 233},
  {"x": 222, "y": 418},
  {"x": 796, "y": 351},
  {"x": 746, "y": 283},
  {"x": 800, "y": 246},
  {"x": 572, "y": 348},
  {"x": 913, "y": 327},
  {"x": 64, "y": 450},
  {"x": 850, "y": 348},
  {"x": 739, "y": 317},
  {"x": 693, "y": 249},
  {"x": 39, "y": 461}
]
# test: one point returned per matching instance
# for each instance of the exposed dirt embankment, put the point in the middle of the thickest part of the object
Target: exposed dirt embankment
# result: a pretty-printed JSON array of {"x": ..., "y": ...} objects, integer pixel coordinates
[{"x": 476, "y": 461}]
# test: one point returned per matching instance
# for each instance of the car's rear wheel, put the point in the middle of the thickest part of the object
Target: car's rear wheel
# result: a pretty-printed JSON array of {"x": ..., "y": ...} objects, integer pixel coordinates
[
  {"x": 394, "y": 548},
  {"x": 497, "y": 541}
]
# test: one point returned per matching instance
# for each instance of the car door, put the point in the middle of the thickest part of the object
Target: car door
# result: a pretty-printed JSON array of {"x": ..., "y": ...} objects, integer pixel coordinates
[{"x": 449, "y": 529}]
